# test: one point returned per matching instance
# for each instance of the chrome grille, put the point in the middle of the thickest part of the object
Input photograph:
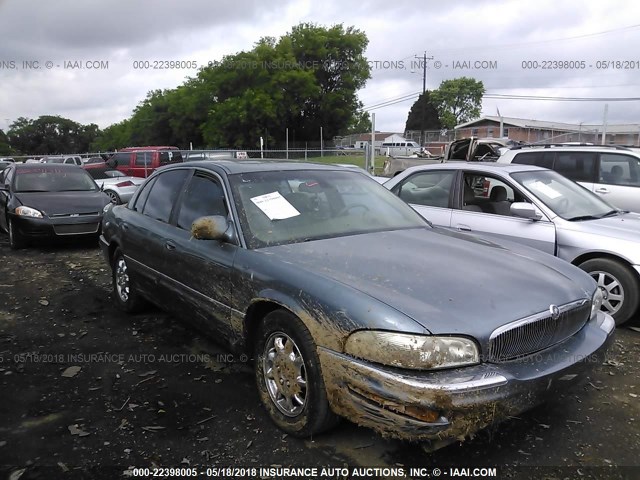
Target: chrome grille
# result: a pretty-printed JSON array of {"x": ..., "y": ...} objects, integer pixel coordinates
[
  {"x": 537, "y": 332},
  {"x": 76, "y": 228},
  {"x": 73, "y": 215}
]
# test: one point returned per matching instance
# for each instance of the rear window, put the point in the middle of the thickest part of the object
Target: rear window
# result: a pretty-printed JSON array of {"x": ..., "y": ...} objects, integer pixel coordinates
[{"x": 170, "y": 156}]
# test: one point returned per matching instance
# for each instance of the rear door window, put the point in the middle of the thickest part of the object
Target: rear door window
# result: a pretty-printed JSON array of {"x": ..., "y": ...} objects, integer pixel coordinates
[
  {"x": 576, "y": 166},
  {"x": 143, "y": 158}
]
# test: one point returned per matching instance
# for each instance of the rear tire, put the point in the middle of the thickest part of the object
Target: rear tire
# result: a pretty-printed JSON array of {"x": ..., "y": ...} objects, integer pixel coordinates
[
  {"x": 618, "y": 284},
  {"x": 114, "y": 197},
  {"x": 16, "y": 241},
  {"x": 124, "y": 292},
  {"x": 288, "y": 376}
]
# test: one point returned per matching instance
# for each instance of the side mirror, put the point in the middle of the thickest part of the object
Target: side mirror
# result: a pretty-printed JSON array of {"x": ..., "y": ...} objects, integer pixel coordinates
[
  {"x": 214, "y": 227},
  {"x": 524, "y": 210}
]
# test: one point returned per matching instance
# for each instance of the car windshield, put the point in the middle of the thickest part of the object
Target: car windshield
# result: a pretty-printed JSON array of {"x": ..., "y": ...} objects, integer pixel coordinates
[
  {"x": 53, "y": 180},
  {"x": 564, "y": 197},
  {"x": 282, "y": 207},
  {"x": 54, "y": 160}
]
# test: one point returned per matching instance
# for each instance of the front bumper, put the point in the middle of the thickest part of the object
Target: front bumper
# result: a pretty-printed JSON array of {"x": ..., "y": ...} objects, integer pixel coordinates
[
  {"x": 56, "y": 227},
  {"x": 454, "y": 404}
]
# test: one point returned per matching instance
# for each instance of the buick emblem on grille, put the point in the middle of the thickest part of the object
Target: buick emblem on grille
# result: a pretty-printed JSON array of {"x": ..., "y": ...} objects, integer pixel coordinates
[
  {"x": 555, "y": 311},
  {"x": 74, "y": 215}
]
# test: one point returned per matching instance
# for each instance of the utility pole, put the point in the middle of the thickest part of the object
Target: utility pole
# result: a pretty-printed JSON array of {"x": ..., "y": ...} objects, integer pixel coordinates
[{"x": 424, "y": 89}]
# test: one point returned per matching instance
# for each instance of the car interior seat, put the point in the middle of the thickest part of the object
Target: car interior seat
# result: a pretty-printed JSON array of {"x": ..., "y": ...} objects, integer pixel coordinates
[{"x": 499, "y": 204}]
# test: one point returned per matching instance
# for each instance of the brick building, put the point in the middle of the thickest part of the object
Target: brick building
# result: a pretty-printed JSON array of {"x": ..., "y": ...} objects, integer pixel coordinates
[{"x": 538, "y": 131}]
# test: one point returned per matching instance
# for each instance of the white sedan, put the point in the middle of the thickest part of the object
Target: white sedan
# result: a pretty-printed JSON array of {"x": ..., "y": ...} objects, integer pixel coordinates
[{"x": 118, "y": 186}]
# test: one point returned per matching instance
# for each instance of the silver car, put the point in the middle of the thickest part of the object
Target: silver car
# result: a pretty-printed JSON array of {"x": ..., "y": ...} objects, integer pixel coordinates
[
  {"x": 537, "y": 207},
  {"x": 117, "y": 185}
]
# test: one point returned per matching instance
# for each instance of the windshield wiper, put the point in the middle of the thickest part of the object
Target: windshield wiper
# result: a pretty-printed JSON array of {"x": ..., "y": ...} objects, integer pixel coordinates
[
  {"x": 612, "y": 212},
  {"x": 583, "y": 217}
]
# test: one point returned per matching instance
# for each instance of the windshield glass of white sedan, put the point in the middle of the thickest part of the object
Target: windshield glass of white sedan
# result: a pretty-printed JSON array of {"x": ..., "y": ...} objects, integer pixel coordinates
[
  {"x": 283, "y": 207},
  {"x": 566, "y": 198}
]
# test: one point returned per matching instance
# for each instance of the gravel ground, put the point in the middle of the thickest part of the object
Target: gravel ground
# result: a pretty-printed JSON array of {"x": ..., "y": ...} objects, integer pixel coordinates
[{"x": 89, "y": 392}]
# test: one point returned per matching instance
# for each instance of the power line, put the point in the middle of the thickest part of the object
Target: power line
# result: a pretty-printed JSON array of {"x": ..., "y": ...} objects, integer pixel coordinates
[
  {"x": 392, "y": 102},
  {"x": 560, "y": 99}
]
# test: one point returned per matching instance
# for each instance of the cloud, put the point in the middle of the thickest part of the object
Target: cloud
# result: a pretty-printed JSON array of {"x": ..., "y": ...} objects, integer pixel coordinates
[{"x": 505, "y": 34}]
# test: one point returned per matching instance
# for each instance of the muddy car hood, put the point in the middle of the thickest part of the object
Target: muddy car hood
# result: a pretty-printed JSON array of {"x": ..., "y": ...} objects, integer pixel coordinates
[
  {"x": 60, "y": 203},
  {"x": 447, "y": 282}
]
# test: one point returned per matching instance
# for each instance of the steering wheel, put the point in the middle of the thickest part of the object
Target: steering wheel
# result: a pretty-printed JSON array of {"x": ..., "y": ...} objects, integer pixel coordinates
[{"x": 351, "y": 207}]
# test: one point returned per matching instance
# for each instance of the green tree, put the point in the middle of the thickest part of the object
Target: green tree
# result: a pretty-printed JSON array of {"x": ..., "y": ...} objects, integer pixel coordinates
[
  {"x": 458, "y": 100},
  {"x": 423, "y": 115},
  {"x": 50, "y": 134},
  {"x": 113, "y": 137},
  {"x": 306, "y": 80},
  {"x": 360, "y": 123},
  {"x": 5, "y": 148}
]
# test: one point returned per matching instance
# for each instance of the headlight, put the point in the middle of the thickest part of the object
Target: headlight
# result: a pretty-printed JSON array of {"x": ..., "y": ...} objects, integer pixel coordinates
[
  {"x": 28, "y": 212},
  {"x": 596, "y": 301},
  {"x": 107, "y": 207},
  {"x": 416, "y": 352}
]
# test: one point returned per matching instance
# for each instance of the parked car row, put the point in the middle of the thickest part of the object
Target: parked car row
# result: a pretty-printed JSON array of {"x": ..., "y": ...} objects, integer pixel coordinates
[{"x": 352, "y": 303}]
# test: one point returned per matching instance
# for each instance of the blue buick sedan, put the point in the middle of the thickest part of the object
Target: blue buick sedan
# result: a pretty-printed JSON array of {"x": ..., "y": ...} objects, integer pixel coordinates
[{"x": 351, "y": 304}]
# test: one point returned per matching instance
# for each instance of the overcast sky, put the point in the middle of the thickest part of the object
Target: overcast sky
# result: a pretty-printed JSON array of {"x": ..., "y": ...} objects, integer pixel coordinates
[{"x": 500, "y": 35}]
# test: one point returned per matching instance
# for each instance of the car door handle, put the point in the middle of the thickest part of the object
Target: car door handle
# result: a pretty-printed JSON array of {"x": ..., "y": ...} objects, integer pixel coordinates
[
  {"x": 463, "y": 228},
  {"x": 125, "y": 226},
  {"x": 602, "y": 190},
  {"x": 170, "y": 245}
]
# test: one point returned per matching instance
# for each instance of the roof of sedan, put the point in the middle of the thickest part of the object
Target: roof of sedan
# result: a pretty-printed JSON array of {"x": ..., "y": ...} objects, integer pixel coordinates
[
  {"x": 246, "y": 166},
  {"x": 46, "y": 166}
]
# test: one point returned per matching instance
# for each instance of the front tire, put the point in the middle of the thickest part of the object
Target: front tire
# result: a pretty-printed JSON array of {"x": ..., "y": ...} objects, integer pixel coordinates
[
  {"x": 16, "y": 241},
  {"x": 289, "y": 378},
  {"x": 124, "y": 292},
  {"x": 619, "y": 286}
]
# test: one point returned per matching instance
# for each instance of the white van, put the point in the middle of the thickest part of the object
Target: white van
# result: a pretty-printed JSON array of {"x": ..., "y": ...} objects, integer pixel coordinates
[{"x": 391, "y": 149}]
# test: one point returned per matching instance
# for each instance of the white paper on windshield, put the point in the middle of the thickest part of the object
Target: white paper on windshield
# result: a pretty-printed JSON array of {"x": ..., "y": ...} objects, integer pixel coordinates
[
  {"x": 275, "y": 206},
  {"x": 545, "y": 190}
]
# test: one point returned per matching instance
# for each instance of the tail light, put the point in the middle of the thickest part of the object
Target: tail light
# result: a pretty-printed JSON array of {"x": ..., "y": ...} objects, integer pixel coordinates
[{"x": 127, "y": 183}]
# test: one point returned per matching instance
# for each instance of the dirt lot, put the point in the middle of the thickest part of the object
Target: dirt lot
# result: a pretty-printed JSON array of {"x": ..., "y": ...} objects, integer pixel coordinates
[{"x": 147, "y": 391}]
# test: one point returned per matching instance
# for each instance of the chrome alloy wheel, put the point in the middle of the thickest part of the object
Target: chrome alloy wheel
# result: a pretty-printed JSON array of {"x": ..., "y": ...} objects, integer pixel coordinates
[
  {"x": 122, "y": 280},
  {"x": 612, "y": 291},
  {"x": 285, "y": 374}
]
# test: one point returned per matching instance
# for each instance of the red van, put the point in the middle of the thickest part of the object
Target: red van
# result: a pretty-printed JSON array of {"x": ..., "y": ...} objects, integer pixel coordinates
[{"x": 142, "y": 161}]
